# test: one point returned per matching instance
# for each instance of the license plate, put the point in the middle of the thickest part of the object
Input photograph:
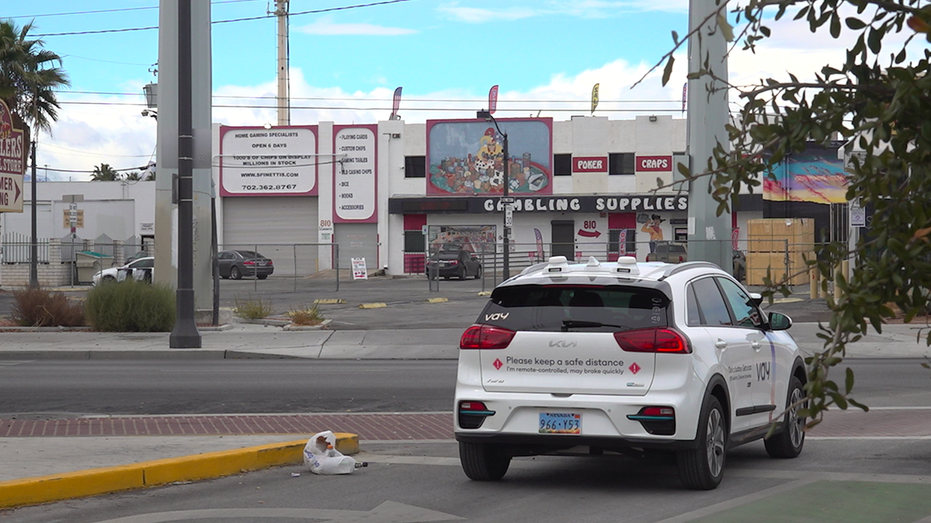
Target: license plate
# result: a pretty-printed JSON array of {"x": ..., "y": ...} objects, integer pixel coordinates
[{"x": 560, "y": 423}]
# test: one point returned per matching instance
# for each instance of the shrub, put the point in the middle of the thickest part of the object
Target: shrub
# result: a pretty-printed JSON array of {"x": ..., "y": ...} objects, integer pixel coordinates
[
  {"x": 37, "y": 307},
  {"x": 131, "y": 306},
  {"x": 252, "y": 309},
  {"x": 305, "y": 316}
]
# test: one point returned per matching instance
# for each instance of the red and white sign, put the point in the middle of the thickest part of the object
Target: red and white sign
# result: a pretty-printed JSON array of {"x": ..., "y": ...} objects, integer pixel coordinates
[
  {"x": 12, "y": 163},
  {"x": 277, "y": 161},
  {"x": 354, "y": 173},
  {"x": 589, "y": 164},
  {"x": 654, "y": 163}
]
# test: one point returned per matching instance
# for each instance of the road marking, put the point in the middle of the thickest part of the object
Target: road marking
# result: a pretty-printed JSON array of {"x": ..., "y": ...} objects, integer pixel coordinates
[
  {"x": 437, "y": 300},
  {"x": 387, "y": 512},
  {"x": 372, "y": 305}
]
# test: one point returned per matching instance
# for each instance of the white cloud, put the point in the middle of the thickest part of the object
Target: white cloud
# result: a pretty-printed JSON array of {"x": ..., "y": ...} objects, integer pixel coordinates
[
  {"x": 326, "y": 26},
  {"x": 478, "y": 15}
]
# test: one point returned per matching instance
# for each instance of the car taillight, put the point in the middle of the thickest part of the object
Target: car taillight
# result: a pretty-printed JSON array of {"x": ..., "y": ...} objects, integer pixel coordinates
[
  {"x": 249, "y": 262},
  {"x": 653, "y": 340},
  {"x": 485, "y": 337},
  {"x": 454, "y": 262},
  {"x": 473, "y": 413},
  {"x": 680, "y": 259}
]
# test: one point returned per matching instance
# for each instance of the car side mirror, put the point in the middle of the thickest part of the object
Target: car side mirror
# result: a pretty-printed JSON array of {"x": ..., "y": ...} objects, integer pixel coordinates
[{"x": 779, "y": 321}]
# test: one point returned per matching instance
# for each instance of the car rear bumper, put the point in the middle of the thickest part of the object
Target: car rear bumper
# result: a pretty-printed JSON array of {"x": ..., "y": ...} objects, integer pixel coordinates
[{"x": 529, "y": 445}]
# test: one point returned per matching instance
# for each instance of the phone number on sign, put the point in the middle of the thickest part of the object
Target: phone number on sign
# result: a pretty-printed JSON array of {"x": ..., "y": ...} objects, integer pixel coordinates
[{"x": 285, "y": 187}]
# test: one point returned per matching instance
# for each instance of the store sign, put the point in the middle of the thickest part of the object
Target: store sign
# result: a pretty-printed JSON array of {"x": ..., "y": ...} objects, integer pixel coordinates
[
  {"x": 590, "y": 204},
  {"x": 654, "y": 163},
  {"x": 12, "y": 164},
  {"x": 279, "y": 161},
  {"x": 354, "y": 179},
  {"x": 589, "y": 164}
]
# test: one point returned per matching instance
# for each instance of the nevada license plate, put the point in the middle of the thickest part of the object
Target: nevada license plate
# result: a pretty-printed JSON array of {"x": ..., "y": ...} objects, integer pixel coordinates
[{"x": 560, "y": 423}]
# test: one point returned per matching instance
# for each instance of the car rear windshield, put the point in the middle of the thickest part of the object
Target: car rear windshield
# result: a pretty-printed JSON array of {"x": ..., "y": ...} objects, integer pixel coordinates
[
  {"x": 575, "y": 308},
  {"x": 676, "y": 248},
  {"x": 446, "y": 255}
]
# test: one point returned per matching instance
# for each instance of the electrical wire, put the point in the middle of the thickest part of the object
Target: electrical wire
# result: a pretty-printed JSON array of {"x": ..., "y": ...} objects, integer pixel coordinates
[{"x": 212, "y": 22}]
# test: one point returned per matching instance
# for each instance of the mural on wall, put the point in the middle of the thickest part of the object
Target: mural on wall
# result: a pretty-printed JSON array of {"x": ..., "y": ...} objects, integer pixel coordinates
[
  {"x": 651, "y": 226},
  {"x": 472, "y": 238},
  {"x": 466, "y": 157},
  {"x": 814, "y": 175}
]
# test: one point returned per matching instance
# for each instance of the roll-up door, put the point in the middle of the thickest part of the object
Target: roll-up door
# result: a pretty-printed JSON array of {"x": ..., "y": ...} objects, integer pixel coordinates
[
  {"x": 280, "y": 227},
  {"x": 357, "y": 240}
]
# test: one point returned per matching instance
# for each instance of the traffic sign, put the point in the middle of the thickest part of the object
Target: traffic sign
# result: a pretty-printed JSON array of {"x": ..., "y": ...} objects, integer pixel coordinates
[{"x": 11, "y": 193}]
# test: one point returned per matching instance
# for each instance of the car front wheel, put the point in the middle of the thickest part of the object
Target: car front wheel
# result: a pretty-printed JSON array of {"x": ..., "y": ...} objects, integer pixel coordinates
[
  {"x": 483, "y": 462},
  {"x": 702, "y": 468},
  {"x": 789, "y": 442}
]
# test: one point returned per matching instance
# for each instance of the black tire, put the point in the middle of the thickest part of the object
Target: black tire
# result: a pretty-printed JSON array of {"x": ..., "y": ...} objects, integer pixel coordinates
[
  {"x": 462, "y": 273},
  {"x": 234, "y": 273},
  {"x": 262, "y": 276},
  {"x": 108, "y": 279},
  {"x": 482, "y": 462},
  {"x": 788, "y": 443},
  {"x": 478, "y": 273},
  {"x": 702, "y": 468}
]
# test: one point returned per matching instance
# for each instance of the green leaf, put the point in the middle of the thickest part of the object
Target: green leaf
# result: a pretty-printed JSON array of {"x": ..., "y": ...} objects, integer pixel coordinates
[
  {"x": 848, "y": 385},
  {"x": 726, "y": 29},
  {"x": 675, "y": 38},
  {"x": 854, "y": 23},
  {"x": 667, "y": 71}
]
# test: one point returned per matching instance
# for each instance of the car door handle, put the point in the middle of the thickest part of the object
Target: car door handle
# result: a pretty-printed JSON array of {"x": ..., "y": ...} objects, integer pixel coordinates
[
  {"x": 721, "y": 344},
  {"x": 756, "y": 345}
]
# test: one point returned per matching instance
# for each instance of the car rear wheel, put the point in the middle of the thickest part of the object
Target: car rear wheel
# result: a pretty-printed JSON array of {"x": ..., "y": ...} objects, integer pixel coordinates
[
  {"x": 262, "y": 276},
  {"x": 478, "y": 272},
  {"x": 462, "y": 273},
  {"x": 483, "y": 462},
  {"x": 702, "y": 468},
  {"x": 789, "y": 442},
  {"x": 234, "y": 273}
]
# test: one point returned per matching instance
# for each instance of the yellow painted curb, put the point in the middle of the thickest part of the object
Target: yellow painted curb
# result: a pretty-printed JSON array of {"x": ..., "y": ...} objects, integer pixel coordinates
[
  {"x": 787, "y": 300},
  {"x": 437, "y": 300},
  {"x": 485, "y": 293},
  {"x": 329, "y": 301},
  {"x": 93, "y": 482},
  {"x": 372, "y": 305}
]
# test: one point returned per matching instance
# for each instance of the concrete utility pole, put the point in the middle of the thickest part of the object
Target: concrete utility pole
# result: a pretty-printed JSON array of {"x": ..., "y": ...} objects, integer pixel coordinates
[
  {"x": 709, "y": 234},
  {"x": 284, "y": 99},
  {"x": 168, "y": 180}
]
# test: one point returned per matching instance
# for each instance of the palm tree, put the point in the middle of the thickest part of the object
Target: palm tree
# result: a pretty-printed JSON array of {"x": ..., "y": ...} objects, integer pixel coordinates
[
  {"x": 104, "y": 173},
  {"x": 29, "y": 77},
  {"x": 133, "y": 176}
]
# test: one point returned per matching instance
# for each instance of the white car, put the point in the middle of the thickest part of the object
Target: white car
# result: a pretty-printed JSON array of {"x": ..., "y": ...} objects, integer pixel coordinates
[
  {"x": 140, "y": 269},
  {"x": 625, "y": 356}
]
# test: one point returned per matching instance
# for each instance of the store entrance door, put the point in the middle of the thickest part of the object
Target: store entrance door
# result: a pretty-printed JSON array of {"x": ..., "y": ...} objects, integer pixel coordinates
[{"x": 563, "y": 234}]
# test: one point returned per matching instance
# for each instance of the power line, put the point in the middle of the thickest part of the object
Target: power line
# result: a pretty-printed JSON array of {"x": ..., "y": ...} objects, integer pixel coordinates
[
  {"x": 260, "y": 17},
  {"x": 116, "y": 10}
]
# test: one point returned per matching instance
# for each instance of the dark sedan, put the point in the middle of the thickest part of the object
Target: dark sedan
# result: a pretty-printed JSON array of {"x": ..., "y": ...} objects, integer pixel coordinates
[
  {"x": 236, "y": 264},
  {"x": 447, "y": 264}
]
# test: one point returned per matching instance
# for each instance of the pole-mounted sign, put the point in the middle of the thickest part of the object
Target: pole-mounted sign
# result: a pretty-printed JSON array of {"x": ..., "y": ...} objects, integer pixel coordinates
[{"x": 12, "y": 163}]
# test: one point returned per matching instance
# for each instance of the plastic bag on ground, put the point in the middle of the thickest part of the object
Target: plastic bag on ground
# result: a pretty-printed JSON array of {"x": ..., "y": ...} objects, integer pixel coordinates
[{"x": 321, "y": 456}]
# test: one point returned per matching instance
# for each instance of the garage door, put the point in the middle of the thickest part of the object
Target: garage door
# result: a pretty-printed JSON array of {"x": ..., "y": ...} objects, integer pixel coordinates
[
  {"x": 278, "y": 227},
  {"x": 357, "y": 240}
]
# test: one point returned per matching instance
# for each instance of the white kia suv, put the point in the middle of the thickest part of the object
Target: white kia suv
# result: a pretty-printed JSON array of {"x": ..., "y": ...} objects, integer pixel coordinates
[{"x": 624, "y": 355}]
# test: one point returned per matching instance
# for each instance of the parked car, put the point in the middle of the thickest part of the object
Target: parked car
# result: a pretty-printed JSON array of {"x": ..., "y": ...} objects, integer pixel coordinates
[
  {"x": 454, "y": 263},
  {"x": 626, "y": 357},
  {"x": 140, "y": 269},
  {"x": 235, "y": 264},
  {"x": 669, "y": 253}
]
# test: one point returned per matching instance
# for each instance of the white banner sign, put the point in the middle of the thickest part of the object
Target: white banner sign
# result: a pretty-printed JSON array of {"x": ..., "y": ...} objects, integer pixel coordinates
[
  {"x": 255, "y": 161},
  {"x": 354, "y": 174}
]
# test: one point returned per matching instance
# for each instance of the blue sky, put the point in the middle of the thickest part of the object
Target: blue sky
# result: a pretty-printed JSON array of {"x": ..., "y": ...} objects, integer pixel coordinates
[{"x": 345, "y": 63}]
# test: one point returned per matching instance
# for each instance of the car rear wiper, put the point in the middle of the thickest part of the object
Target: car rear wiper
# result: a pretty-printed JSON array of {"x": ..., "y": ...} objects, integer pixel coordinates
[{"x": 582, "y": 324}]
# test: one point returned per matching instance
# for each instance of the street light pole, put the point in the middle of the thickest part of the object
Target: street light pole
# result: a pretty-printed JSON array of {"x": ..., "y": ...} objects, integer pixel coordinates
[{"x": 505, "y": 199}]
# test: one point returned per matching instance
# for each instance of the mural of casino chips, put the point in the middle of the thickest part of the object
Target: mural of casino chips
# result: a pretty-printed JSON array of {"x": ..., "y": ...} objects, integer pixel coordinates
[{"x": 466, "y": 157}]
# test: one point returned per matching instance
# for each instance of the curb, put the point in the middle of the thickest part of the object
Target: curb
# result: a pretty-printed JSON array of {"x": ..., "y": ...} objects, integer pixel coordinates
[{"x": 93, "y": 482}]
